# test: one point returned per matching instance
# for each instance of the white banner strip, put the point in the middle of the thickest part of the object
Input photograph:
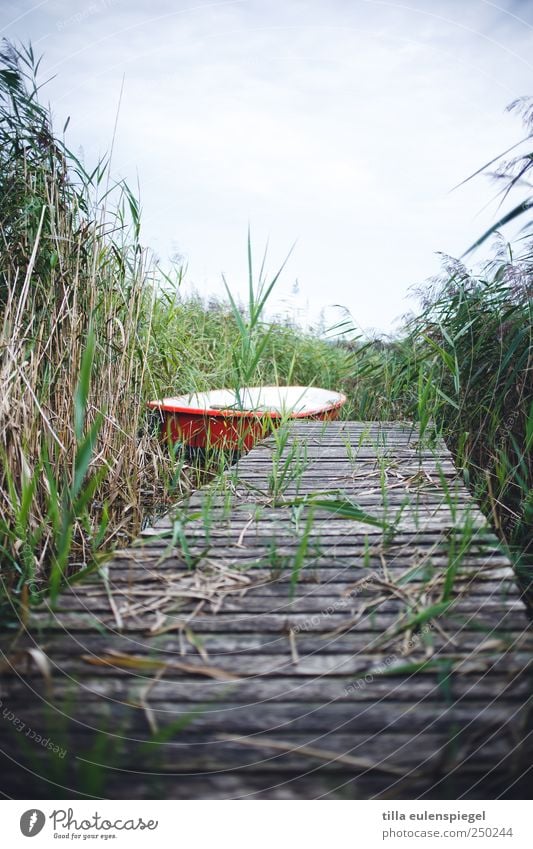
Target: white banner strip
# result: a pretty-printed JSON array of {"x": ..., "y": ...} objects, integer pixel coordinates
[{"x": 256, "y": 825}]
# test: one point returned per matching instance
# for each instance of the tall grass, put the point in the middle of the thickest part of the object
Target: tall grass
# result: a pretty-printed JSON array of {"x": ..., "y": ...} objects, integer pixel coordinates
[
  {"x": 465, "y": 363},
  {"x": 479, "y": 329},
  {"x": 73, "y": 365},
  {"x": 193, "y": 347}
]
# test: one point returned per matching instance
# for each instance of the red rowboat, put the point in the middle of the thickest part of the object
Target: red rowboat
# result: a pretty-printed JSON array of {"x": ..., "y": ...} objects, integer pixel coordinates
[{"x": 235, "y": 420}]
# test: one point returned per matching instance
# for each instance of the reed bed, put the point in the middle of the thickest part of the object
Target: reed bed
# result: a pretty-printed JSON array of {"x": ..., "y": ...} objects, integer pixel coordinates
[
  {"x": 465, "y": 363},
  {"x": 75, "y": 314}
]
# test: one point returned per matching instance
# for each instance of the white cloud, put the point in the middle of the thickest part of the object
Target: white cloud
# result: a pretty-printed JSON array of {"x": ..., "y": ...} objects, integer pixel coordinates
[{"x": 341, "y": 125}]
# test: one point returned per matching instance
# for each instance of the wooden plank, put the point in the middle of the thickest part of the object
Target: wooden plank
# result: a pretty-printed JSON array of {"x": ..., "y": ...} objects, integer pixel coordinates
[
  {"x": 369, "y": 630},
  {"x": 69, "y": 647},
  {"x": 467, "y": 686}
]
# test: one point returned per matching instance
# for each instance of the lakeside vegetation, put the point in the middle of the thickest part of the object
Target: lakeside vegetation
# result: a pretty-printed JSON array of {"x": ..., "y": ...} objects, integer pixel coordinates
[{"x": 91, "y": 331}]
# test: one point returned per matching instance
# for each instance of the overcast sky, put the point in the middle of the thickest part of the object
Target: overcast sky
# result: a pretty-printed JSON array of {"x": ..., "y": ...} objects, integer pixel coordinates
[{"x": 338, "y": 125}]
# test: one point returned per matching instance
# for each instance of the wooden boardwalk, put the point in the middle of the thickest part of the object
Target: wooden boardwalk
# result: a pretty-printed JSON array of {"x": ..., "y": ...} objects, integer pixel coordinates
[{"x": 332, "y": 619}]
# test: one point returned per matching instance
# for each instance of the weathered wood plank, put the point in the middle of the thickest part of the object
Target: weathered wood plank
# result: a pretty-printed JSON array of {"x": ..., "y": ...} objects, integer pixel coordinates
[
  {"x": 368, "y": 630},
  {"x": 68, "y": 648},
  {"x": 510, "y": 682}
]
